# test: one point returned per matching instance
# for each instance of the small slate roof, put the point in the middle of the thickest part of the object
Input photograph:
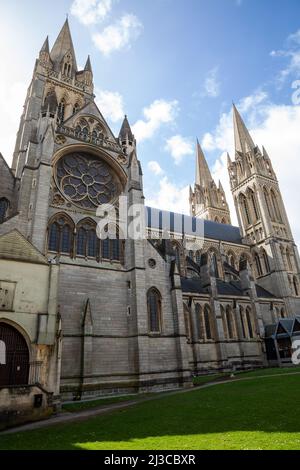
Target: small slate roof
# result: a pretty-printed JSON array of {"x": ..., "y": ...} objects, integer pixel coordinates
[
  {"x": 187, "y": 225},
  {"x": 232, "y": 288},
  {"x": 263, "y": 293},
  {"x": 286, "y": 326}
]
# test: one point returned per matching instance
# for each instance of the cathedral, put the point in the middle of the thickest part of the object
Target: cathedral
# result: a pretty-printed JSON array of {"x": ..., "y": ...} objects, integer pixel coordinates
[{"x": 83, "y": 315}]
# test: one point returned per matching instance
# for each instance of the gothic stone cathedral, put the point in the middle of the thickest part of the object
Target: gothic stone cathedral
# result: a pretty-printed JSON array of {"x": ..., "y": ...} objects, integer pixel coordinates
[{"x": 80, "y": 316}]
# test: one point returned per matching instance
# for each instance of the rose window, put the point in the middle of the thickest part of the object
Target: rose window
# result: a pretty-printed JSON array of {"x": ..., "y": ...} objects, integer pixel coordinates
[{"x": 86, "y": 180}]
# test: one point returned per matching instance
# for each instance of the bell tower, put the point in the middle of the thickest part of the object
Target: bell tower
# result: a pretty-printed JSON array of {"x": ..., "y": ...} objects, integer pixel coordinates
[{"x": 262, "y": 217}]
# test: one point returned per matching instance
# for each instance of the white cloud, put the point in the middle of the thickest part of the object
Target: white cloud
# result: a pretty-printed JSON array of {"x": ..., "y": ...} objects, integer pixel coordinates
[
  {"x": 170, "y": 197},
  {"x": 118, "y": 35},
  {"x": 277, "y": 128},
  {"x": 158, "y": 113},
  {"x": 292, "y": 53},
  {"x": 111, "y": 104},
  {"x": 12, "y": 96},
  {"x": 155, "y": 168},
  {"x": 90, "y": 12},
  {"x": 179, "y": 147},
  {"x": 211, "y": 85}
]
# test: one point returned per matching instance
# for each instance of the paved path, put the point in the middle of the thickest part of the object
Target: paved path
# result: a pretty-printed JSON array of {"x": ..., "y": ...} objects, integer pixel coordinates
[{"x": 67, "y": 417}]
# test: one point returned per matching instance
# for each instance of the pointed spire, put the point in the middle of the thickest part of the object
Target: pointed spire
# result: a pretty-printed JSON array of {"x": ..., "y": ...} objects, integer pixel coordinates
[
  {"x": 221, "y": 187},
  {"x": 229, "y": 161},
  {"x": 203, "y": 175},
  {"x": 45, "y": 46},
  {"x": 126, "y": 131},
  {"x": 243, "y": 140},
  {"x": 62, "y": 45},
  {"x": 88, "y": 65}
]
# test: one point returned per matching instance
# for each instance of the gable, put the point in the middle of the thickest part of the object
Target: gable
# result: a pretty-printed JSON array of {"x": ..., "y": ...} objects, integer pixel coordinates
[
  {"x": 90, "y": 111},
  {"x": 14, "y": 246}
]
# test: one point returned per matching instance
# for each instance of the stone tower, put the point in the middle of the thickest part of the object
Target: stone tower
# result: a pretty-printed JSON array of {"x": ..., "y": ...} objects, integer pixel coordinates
[
  {"x": 208, "y": 200},
  {"x": 67, "y": 166},
  {"x": 263, "y": 218}
]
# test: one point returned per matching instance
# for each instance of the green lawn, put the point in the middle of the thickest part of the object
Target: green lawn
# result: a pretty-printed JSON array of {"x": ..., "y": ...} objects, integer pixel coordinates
[
  {"x": 250, "y": 414},
  {"x": 86, "y": 405},
  {"x": 203, "y": 379}
]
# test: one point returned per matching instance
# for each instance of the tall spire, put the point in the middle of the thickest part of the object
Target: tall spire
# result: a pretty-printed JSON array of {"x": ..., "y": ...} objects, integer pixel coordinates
[
  {"x": 126, "y": 131},
  {"x": 45, "y": 46},
  {"x": 88, "y": 65},
  {"x": 62, "y": 45},
  {"x": 242, "y": 138},
  {"x": 203, "y": 175}
]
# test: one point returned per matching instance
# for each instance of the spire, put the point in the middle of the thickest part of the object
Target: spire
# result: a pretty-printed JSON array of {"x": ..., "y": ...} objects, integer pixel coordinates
[
  {"x": 62, "y": 45},
  {"x": 203, "y": 175},
  {"x": 45, "y": 46},
  {"x": 126, "y": 131},
  {"x": 242, "y": 138},
  {"x": 229, "y": 161},
  {"x": 88, "y": 65}
]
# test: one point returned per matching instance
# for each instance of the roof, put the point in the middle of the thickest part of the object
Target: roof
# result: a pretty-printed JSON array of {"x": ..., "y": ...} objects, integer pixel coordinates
[
  {"x": 284, "y": 328},
  {"x": 263, "y": 293},
  {"x": 187, "y": 225}
]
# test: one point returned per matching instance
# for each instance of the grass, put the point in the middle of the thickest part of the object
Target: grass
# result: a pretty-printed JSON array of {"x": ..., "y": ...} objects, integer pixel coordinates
[
  {"x": 203, "y": 379},
  {"x": 87, "y": 405},
  {"x": 250, "y": 414}
]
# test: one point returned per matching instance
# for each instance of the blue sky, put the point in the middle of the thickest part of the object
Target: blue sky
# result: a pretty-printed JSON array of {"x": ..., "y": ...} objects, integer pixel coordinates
[{"x": 174, "y": 66}]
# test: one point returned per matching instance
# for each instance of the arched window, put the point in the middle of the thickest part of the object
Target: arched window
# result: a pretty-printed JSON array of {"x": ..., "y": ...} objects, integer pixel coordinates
[
  {"x": 268, "y": 204},
  {"x": 154, "y": 310},
  {"x": 258, "y": 264},
  {"x": 223, "y": 315},
  {"x": 112, "y": 248},
  {"x": 87, "y": 243},
  {"x": 207, "y": 322},
  {"x": 266, "y": 261},
  {"x": 245, "y": 209},
  {"x": 275, "y": 206},
  {"x": 61, "y": 111},
  {"x": 296, "y": 286},
  {"x": 223, "y": 221},
  {"x": 249, "y": 322},
  {"x": 50, "y": 103},
  {"x": 252, "y": 198},
  {"x": 4, "y": 205},
  {"x": 242, "y": 318},
  {"x": 187, "y": 323},
  {"x": 199, "y": 326},
  {"x": 60, "y": 235},
  {"x": 217, "y": 220},
  {"x": 229, "y": 322},
  {"x": 214, "y": 264}
]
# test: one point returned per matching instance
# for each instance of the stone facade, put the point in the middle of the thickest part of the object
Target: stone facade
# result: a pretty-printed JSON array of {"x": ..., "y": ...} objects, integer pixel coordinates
[{"x": 132, "y": 315}]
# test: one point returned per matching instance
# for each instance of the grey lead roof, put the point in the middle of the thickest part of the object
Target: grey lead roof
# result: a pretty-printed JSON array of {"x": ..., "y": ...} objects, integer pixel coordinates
[{"x": 187, "y": 225}]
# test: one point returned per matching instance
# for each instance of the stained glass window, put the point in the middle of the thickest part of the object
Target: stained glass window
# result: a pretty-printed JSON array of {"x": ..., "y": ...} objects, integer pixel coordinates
[
  {"x": 86, "y": 180},
  {"x": 154, "y": 309}
]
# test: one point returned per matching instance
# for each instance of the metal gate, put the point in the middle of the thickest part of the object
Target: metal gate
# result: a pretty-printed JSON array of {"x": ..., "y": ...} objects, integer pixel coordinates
[{"x": 15, "y": 356}]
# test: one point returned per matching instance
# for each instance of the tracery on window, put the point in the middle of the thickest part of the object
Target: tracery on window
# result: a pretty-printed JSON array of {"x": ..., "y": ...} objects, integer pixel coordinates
[{"x": 86, "y": 180}]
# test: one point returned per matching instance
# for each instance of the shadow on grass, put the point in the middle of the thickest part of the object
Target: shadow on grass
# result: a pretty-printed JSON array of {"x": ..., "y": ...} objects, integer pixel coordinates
[{"x": 216, "y": 417}]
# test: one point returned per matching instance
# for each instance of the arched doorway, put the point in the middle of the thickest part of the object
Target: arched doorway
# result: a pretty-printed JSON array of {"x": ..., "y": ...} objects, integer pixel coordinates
[{"x": 14, "y": 366}]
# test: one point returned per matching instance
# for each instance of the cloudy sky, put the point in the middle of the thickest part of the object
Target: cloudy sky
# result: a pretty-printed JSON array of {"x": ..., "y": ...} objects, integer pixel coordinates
[{"x": 174, "y": 66}]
